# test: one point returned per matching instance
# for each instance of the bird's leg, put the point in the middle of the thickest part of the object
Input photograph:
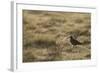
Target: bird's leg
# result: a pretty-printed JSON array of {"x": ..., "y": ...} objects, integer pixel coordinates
[{"x": 72, "y": 46}]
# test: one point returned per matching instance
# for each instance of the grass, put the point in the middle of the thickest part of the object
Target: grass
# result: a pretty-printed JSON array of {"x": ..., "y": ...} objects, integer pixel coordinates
[{"x": 45, "y": 36}]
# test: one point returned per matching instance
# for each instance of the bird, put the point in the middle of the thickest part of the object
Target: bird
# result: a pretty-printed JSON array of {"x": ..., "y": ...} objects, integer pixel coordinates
[{"x": 74, "y": 41}]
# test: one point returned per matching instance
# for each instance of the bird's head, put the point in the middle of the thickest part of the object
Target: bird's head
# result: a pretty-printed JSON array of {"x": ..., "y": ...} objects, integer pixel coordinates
[{"x": 70, "y": 36}]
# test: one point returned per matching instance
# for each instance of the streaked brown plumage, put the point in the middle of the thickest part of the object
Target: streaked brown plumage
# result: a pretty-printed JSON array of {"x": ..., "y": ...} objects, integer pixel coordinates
[{"x": 74, "y": 41}]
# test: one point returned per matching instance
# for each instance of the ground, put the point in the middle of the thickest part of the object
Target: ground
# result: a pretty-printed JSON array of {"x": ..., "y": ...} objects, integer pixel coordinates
[{"x": 45, "y": 35}]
